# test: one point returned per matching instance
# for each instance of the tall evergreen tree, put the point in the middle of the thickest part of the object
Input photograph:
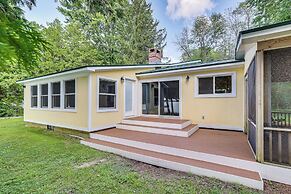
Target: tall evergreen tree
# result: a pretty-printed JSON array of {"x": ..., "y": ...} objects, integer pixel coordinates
[{"x": 120, "y": 30}]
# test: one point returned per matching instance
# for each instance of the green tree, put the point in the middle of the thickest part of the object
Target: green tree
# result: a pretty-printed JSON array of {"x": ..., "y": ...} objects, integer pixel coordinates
[
  {"x": 204, "y": 40},
  {"x": 141, "y": 32},
  {"x": 20, "y": 41},
  {"x": 269, "y": 12},
  {"x": 120, "y": 30},
  {"x": 69, "y": 48}
]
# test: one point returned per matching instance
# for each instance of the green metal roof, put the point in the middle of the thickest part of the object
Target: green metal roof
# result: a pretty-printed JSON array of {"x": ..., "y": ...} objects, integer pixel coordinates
[{"x": 190, "y": 66}]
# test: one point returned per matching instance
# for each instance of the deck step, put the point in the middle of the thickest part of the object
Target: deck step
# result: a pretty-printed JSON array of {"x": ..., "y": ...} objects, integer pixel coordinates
[
  {"x": 176, "y": 146},
  {"x": 185, "y": 132},
  {"x": 157, "y": 122},
  {"x": 230, "y": 174}
]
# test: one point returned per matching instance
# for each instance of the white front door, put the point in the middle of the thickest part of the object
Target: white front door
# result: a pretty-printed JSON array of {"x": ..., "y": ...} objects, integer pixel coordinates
[{"x": 128, "y": 96}]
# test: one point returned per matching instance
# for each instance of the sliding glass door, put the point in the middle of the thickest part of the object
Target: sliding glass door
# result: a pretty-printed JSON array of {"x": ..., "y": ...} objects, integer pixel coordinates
[{"x": 161, "y": 98}]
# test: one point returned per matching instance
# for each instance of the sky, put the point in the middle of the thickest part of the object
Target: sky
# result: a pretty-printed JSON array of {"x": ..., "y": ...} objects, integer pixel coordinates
[{"x": 172, "y": 15}]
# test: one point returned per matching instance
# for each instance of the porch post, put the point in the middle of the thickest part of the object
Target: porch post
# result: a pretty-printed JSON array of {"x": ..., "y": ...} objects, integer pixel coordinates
[{"x": 260, "y": 105}]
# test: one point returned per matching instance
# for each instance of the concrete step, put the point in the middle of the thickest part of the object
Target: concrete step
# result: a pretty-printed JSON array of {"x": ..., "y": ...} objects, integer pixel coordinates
[
  {"x": 157, "y": 122},
  {"x": 225, "y": 173},
  {"x": 185, "y": 132}
]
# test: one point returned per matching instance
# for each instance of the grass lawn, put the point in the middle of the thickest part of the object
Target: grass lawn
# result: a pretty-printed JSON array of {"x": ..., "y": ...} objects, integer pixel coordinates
[{"x": 34, "y": 160}]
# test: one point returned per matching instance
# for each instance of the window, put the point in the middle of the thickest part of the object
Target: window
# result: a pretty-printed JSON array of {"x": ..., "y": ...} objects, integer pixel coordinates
[
  {"x": 33, "y": 91},
  {"x": 56, "y": 94},
  {"x": 70, "y": 94},
  {"x": 44, "y": 95},
  {"x": 107, "y": 94},
  {"x": 216, "y": 85}
]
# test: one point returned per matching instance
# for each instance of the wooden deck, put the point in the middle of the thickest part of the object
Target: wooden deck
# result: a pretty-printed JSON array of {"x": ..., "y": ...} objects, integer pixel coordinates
[
  {"x": 180, "y": 145},
  {"x": 224, "y": 143}
]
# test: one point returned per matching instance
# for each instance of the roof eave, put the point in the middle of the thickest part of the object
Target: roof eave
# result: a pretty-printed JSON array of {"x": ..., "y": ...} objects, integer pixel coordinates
[{"x": 76, "y": 71}]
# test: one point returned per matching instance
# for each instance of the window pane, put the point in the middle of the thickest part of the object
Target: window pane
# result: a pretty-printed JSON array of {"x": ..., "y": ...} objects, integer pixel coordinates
[
  {"x": 70, "y": 86},
  {"x": 205, "y": 85},
  {"x": 106, "y": 86},
  {"x": 106, "y": 101},
  {"x": 33, "y": 90},
  {"x": 56, "y": 101},
  {"x": 223, "y": 84},
  {"x": 44, "y": 101},
  {"x": 44, "y": 89},
  {"x": 56, "y": 88},
  {"x": 33, "y": 101},
  {"x": 70, "y": 101}
]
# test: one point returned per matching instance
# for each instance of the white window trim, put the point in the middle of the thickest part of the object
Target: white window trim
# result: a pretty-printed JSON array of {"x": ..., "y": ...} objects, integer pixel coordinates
[
  {"x": 49, "y": 82},
  {"x": 64, "y": 94},
  {"x": 52, "y": 95},
  {"x": 41, "y": 95},
  {"x": 30, "y": 87},
  {"x": 214, "y": 95},
  {"x": 116, "y": 95}
]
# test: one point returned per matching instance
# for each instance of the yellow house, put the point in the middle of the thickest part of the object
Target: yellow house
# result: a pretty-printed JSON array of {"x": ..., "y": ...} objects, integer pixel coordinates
[{"x": 172, "y": 109}]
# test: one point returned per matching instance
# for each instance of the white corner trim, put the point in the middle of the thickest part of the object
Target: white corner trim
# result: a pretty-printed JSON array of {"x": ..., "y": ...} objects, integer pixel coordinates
[
  {"x": 223, "y": 127},
  {"x": 257, "y": 184},
  {"x": 57, "y": 125},
  {"x": 90, "y": 101},
  {"x": 116, "y": 95},
  {"x": 216, "y": 95}
]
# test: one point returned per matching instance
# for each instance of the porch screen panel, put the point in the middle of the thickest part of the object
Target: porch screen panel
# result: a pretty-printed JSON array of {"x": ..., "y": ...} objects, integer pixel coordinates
[
  {"x": 277, "y": 106},
  {"x": 251, "y": 91}
]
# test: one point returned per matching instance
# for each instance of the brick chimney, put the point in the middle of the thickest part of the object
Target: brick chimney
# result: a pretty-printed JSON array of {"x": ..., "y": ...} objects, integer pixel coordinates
[{"x": 155, "y": 56}]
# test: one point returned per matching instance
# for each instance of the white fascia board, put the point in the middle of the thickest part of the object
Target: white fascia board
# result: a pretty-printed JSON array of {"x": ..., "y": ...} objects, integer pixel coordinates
[
  {"x": 268, "y": 32},
  {"x": 188, "y": 70},
  {"x": 77, "y": 71}
]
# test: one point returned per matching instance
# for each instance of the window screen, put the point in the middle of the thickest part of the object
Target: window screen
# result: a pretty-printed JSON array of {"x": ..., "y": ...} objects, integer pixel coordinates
[
  {"x": 70, "y": 95},
  {"x": 206, "y": 85},
  {"x": 33, "y": 90},
  {"x": 56, "y": 94},
  {"x": 44, "y": 95}
]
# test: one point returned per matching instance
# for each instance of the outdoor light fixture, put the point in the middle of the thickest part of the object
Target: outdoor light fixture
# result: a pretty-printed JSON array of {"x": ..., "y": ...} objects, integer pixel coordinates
[
  {"x": 187, "y": 78},
  {"x": 122, "y": 79}
]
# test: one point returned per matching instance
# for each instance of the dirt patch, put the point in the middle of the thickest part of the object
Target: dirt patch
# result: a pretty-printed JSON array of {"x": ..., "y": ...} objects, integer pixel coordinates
[
  {"x": 271, "y": 187},
  {"x": 92, "y": 163}
]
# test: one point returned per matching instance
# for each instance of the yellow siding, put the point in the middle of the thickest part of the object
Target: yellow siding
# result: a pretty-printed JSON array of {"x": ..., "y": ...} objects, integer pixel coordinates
[
  {"x": 104, "y": 119},
  {"x": 219, "y": 112},
  {"x": 74, "y": 120}
]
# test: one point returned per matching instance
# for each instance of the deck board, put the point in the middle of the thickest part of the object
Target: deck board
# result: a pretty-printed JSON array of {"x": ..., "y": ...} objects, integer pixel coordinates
[{"x": 218, "y": 142}]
